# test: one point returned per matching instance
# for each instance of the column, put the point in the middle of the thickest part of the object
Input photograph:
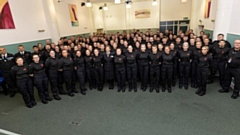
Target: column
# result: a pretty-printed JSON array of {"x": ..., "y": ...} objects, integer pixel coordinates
[
  {"x": 223, "y": 15},
  {"x": 51, "y": 18}
]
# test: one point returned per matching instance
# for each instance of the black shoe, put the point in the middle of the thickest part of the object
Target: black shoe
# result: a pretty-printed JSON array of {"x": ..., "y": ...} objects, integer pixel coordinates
[
  {"x": 151, "y": 89},
  {"x": 123, "y": 89},
  {"x": 48, "y": 98},
  {"x": 144, "y": 89},
  {"x": 57, "y": 98},
  {"x": 186, "y": 87},
  {"x": 169, "y": 90},
  {"x": 209, "y": 81},
  {"x": 29, "y": 105},
  {"x": 174, "y": 84},
  {"x": 157, "y": 90},
  {"x": 111, "y": 87},
  {"x": 44, "y": 101},
  {"x": 198, "y": 91},
  {"x": 234, "y": 96},
  {"x": 192, "y": 85},
  {"x": 71, "y": 94},
  {"x": 90, "y": 87},
  {"x": 83, "y": 92},
  {"x": 62, "y": 93},
  {"x": 12, "y": 94},
  {"x": 180, "y": 86},
  {"x": 75, "y": 91},
  {"x": 202, "y": 93},
  {"x": 163, "y": 89},
  {"x": 135, "y": 89},
  {"x": 129, "y": 89},
  {"x": 33, "y": 103},
  {"x": 223, "y": 91},
  {"x": 119, "y": 90}
]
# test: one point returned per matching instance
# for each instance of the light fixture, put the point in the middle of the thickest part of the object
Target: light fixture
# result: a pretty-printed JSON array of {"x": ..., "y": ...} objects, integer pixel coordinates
[
  {"x": 128, "y": 3},
  {"x": 105, "y": 7},
  {"x": 117, "y": 1},
  {"x": 82, "y": 4},
  {"x": 89, "y": 4},
  {"x": 128, "y": 6},
  {"x": 154, "y": 3},
  {"x": 184, "y": 0}
]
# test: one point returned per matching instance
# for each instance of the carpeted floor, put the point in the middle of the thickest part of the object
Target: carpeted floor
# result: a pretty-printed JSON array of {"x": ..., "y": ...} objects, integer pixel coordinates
[{"x": 111, "y": 113}]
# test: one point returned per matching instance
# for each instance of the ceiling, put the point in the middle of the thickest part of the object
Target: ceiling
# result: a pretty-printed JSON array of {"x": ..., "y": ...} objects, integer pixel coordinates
[{"x": 112, "y": 1}]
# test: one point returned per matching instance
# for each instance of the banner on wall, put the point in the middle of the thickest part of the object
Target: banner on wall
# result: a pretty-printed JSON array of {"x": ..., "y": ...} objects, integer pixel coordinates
[
  {"x": 6, "y": 20},
  {"x": 143, "y": 13},
  {"x": 73, "y": 14},
  {"x": 207, "y": 8}
]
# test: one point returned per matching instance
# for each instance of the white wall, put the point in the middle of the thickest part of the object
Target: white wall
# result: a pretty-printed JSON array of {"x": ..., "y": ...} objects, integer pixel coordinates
[
  {"x": 198, "y": 14},
  {"x": 152, "y": 22},
  {"x": 97, "y": 17},
  {"x": 235, "y": 19},
  {"x": 114, "y": 20},
  {"x": 63, "y": 18},
  {"x": 175, "y": 9},
  {"x": 28, "y": 17}
]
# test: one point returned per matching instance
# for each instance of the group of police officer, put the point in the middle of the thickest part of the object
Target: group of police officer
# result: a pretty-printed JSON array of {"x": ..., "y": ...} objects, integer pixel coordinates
[{"x": 153, "y": 59}]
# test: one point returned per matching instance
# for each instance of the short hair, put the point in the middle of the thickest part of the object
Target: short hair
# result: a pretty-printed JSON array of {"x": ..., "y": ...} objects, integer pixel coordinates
[
  {"x": 206, "y": 47},
  {"x": 220, "y": 34},
  {"x": 34, "y": 46},
  {"x": 20, "y": 46}
]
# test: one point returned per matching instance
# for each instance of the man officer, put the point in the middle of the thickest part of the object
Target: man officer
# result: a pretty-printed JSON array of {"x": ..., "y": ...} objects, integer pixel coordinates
[
  {"x": 233, "y": 70},
  {"x": 7, "y": 62}
]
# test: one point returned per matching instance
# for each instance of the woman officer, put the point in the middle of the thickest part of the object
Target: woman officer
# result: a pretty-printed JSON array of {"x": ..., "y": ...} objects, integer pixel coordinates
[
  {"x": 37, "y": 71},
  {"x": 51, "y": 67},
  {"x": 131, "y": 67},
  {"x": 119, "y": 61},
  {"x": 143, "y": 66},
  {"x": 167, "y": 61},
  {"x": 79, "y": 66},
  {"x": 98, "y": 69},
  {"x": 185, "y": 59},
  {"x": 24, "y": 83}
]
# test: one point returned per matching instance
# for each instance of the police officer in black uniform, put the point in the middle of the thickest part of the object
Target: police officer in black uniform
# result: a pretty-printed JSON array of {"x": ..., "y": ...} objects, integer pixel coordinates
[
  {"x": 108, "y": 63},
  {"x": 196, "y": 53},
  {"x": 37, "y": 71},
  {"x": 89, "y": 69},
  {"x": 98, "y": 69},
  {"x": 233, "y": 70},
  {"x": 203, "y": 69},
  {"x": 7, "y": 62},
  {"x": 20, "y": 74},
  {"x": 120, "y": 72},
  {"x": 166, "y": 60},
  {"x": 154, "y": 61},
  {"x": 131, "y": 67},
  {"x": 51, "y": 67},
  {"x": 143, "y": 66},
  {"x": 185, "y": 59},
  {"x": 79, "y": 66},
  {"x": 219, "y": 61},
  {"x": 65, "y": 65},
  {"x": 24, "y": 54}
]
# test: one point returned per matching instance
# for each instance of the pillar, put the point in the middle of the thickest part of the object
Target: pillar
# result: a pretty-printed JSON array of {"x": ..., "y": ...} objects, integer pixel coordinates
[{"x": 222, "y": 22}]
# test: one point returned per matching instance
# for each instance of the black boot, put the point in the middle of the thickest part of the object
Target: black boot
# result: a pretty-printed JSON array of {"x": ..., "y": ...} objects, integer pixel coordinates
[
  {"x": 62, "y": 92},
  {"x": 163, "y": 88},
  {"x": 235, "y": 94},
  {"x": 169, "y": 90},
  {"x": 202, "y": 93},
  {"x": 157, "y": 89},
  {"x": 151, "y": 89},
  {"x": 56, "y": 97},
  {"x": 186, "y": 87},
  {"x": 180, "y": 86},
  {"x": 83, "y": 92},
  {"x": 198, "y": 91},
  {"x": 223, "y": 91}
]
